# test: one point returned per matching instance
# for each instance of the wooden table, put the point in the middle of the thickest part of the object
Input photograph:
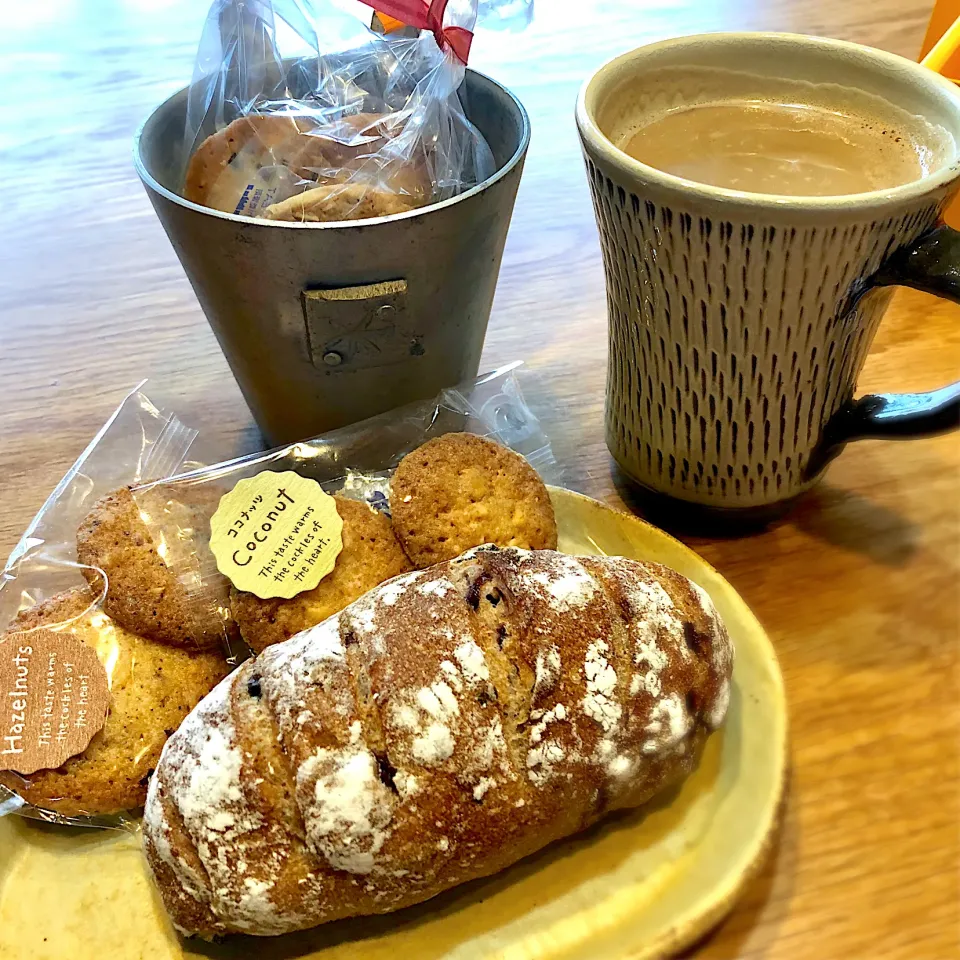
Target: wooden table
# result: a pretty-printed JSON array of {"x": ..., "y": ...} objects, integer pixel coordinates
[{"x": 858, "y": 588}]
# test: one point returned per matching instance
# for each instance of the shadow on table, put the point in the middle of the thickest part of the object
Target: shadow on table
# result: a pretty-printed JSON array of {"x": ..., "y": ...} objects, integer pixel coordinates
[
  {"x": 846, "y": 519},
  {"x": 685, "y": 519},
  {"x": 842, "y": 518}
]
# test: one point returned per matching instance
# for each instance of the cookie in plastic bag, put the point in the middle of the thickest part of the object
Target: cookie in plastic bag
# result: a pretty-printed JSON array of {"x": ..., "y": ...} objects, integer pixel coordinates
[{"x": 301, "y": 112}]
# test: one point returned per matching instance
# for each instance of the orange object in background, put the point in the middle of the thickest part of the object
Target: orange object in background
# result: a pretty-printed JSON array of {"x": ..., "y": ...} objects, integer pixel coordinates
[
  {"x": 391, "y": 24},
  {"x": 942, "y": 18},
  {"x": 945, "y": 12}
]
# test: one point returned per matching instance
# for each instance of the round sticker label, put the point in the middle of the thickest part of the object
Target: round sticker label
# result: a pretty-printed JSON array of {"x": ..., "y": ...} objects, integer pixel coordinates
[
  {"x": 55, "y": 698},
  {"x": 276, "y": 534}
]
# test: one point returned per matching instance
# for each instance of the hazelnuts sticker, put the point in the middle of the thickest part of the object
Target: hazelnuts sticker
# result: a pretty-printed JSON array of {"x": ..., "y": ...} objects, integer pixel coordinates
[
  {"x": 55, "y": 698},
  {"x": 276, "y": 534}
]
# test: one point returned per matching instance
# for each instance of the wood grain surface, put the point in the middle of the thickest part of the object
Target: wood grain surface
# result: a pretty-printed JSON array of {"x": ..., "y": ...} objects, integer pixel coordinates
[{"x": 858, "y": 587}]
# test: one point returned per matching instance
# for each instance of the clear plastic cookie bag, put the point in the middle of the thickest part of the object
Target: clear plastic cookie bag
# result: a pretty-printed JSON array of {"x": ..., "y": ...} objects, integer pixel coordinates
[
  {"x": 356, "y": 461},
  {"x": 43, "y": 590},
  {"x": 300, "y": 111}
]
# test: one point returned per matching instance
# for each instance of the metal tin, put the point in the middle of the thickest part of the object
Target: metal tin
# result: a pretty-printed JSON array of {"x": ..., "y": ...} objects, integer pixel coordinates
[{"x": 325, "y": 324}]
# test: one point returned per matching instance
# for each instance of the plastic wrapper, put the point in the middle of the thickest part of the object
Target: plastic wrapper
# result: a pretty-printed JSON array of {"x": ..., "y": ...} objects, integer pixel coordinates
[
  {"x": 301, "y": 112},
  {"x": 138, "y": 443},
  {"x": 355, "y": 461},
  {"x": 145, "y": 448}
]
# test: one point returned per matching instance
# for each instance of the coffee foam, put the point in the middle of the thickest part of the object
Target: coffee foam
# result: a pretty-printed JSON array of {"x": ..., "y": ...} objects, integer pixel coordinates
[{"x": 889, "y": 129}]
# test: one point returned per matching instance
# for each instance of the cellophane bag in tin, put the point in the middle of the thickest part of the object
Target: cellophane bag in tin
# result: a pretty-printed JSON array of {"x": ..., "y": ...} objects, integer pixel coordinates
[{"x": 300, "y": 111}]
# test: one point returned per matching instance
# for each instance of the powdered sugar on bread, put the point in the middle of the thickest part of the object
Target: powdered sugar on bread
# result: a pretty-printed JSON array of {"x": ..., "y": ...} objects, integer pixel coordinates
[
  {"x": 346, "y": 808},
  {"x": 600, "y": 701},
  {"x": 567, "y": 585}
]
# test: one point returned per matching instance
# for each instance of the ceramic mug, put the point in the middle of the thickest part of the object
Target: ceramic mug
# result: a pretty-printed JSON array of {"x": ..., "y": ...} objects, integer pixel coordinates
[{"x": 739, "y": 322}]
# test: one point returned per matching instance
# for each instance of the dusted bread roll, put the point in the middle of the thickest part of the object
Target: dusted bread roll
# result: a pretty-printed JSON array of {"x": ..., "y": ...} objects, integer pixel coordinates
[{"x": 440, "y": 728}]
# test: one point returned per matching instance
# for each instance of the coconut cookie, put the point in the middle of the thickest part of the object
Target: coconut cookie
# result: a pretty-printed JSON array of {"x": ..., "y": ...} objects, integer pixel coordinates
[
  {"x": 143, "y": 593},
  {"x": 152, "y": 688},
  {"x": 459, "y": 491},
  {"x": 370, "y": 555}
]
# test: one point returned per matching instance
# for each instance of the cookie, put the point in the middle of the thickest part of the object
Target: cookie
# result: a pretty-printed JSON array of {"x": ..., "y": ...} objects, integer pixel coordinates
[
  {"x": 275, "y": 154},
  {"x": 143, "y": 594},
  {"x": 370, "y": 555},
  {"x": 226, "y": 162},
  {"x": 340, "y": 201},
  {"x": 152, "y": 688},
  {"x": 459, "y": 491}
]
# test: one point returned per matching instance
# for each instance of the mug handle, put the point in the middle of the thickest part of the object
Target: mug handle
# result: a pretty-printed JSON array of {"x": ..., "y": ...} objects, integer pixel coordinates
[{"x": 930, "y": 264}]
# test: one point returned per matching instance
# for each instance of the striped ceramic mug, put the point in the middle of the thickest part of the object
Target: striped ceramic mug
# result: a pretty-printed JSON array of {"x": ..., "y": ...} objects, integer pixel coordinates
[{"x": 739, "y": 322}]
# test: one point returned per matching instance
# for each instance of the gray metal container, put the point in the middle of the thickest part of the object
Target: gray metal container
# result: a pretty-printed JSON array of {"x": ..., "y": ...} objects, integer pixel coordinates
[{"x": 325, "y": 324}]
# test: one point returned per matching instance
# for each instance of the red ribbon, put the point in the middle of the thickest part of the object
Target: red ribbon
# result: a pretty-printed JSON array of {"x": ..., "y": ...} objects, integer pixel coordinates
[{"x": 428, "y": 15}]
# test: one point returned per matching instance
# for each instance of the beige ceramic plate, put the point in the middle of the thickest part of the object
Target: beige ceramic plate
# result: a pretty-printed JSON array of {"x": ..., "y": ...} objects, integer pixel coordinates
[{"x": 641, "y": 885}]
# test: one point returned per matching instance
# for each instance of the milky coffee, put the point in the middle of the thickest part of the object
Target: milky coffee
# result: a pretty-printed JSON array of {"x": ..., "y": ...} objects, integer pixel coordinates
[{"x": 797, "y": 139}]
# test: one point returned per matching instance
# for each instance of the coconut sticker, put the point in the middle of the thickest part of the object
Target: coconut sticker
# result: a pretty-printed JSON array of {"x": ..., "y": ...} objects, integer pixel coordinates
[{"x": 276, "y": 534}]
